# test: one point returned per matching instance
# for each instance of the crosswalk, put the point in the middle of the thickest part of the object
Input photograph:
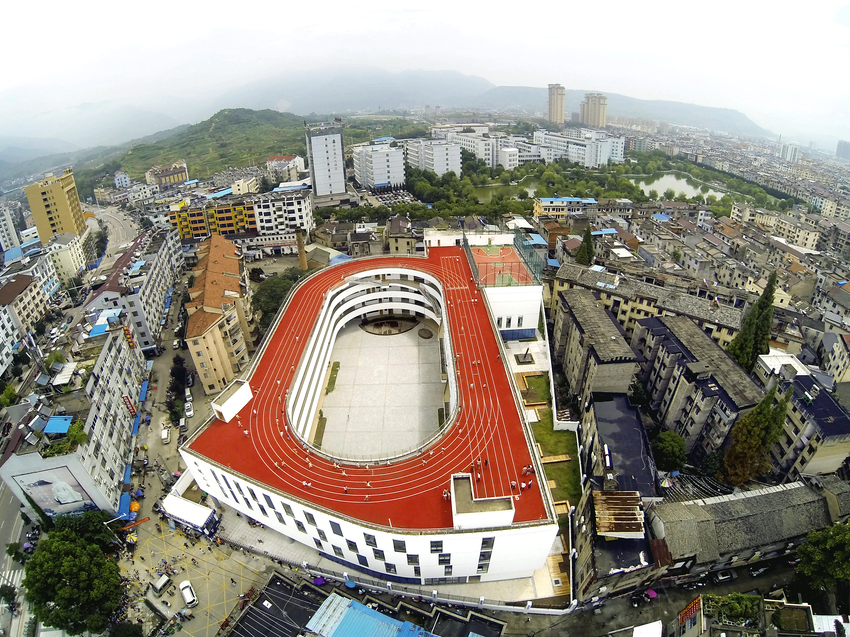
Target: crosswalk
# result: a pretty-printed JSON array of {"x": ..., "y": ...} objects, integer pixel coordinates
[{"x": 12, "y": 577}]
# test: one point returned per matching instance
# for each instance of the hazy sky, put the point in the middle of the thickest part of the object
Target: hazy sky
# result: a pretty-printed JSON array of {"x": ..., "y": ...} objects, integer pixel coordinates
[{"x": 783, "y": 64}]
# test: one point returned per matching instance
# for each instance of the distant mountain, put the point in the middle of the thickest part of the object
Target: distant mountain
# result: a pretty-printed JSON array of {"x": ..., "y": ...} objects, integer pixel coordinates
[
  {"x": 17, "y": 149},
  {"x": 355, "y": 90},
  {"x": 534, "y": 100}
]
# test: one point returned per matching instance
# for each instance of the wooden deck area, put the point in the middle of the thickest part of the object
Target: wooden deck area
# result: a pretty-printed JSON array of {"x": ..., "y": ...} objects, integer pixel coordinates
[
  {"x": 549, "y": 459},
  {"x": 562, "y": 507},
  {"x": 559, "y": 572}
]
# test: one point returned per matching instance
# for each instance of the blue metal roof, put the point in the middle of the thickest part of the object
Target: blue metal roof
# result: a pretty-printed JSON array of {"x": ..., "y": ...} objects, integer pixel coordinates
[
  {"x": 554, "y": 263},
  {"x": 12, "y": 253},
  {"x": 190, "y": 182},
  {"x": 58, "y": 425},
  {"x": 568, "y": 199},
  {"x": 342, "y": 617},
  {"x": 136, "y": 423},
  {"x": 143, "y": 393},
  {"x": 661, "y": 217},
  {"x": 598, "y": 233},
  {"x": 97, "y": 330},
  {"x": 127, "y": 471},
  {"x": 291, "y": 188},
  {"x": 384, "y": 139},
  {"x": 124, "y": 506},
  {"x": 536, "y": 240},
  {"x": 220, "y": 193},
  {"x": 32, "y": 242},
  {"x": 137, "y": 265}
]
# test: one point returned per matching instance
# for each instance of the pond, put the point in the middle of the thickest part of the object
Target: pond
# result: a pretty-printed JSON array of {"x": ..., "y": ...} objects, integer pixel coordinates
[
  {"x": 677, "y": 182},
  {"x": 486, "y": 193}
]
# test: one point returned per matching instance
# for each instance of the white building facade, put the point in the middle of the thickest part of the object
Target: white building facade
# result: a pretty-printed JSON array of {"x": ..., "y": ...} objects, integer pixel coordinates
[
  {"x": 122, "y": 180},
  {"x": 66, "y": 252},
  {"x": 584, "y": 146},
  {"x": 325, "y": 153},
  {"x": 436, "y": 155},
  {"x": 379, "y": 166},
  {"x": 8, "y": 234}
]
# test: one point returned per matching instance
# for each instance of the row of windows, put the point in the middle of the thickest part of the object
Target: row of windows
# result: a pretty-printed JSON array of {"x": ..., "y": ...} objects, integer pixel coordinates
[{"x": 399, "y": 546}]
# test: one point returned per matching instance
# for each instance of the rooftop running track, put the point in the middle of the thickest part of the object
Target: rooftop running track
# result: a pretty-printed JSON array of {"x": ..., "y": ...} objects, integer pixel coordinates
[{"x": 407, "y": 493}]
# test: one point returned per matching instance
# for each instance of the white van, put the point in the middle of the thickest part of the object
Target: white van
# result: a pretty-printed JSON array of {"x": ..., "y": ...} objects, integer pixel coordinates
[
  {"x": 161, "y": 585},
  {"x": 188, "y": 395},
  {"x": 166, "y": 435}
]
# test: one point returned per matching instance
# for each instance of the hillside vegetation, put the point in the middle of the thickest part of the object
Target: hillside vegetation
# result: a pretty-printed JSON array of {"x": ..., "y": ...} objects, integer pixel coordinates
[{"x": 232, "y": 137}]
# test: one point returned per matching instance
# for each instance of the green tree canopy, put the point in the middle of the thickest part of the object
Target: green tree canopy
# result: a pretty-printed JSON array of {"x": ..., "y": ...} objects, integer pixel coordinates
[
  {"x": 825, "y": 556},
  {"x": 88, "y": 527},
  {"x": 71, "y": 585},
  {"x": 271, "y": 293},
  {"x": 669, "y": 451},
  {"x": 754, "y": 338},
  {"x": 752, "y": 436},
  {"x": 585, "y": 253}
]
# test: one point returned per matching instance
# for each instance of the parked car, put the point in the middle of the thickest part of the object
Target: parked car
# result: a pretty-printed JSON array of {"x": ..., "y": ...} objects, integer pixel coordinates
[
  {"x": 189, "y": 410},
  {"x": 176, "y": 344},
  {"x": 757, "y": 570},
  {"x": 188, "y": 594},
  {"x": 723, "y": 577},
  {"x": 190, "y": 379}
]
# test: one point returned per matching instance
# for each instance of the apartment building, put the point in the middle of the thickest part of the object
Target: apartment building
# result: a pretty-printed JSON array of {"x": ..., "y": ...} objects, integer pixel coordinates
[
  {"x": 691, "y": 384},
  {"x": 282, "y": 212},
  {"x": 593, "y": 111},
  {"x": 121, "y": 180},
  {"x": 55, "y": 206},
  {"x": 402, "y": 237},
  {"x": 66, "y": 253},
  {"x": 325, "y": 152},
  {"x": 815, "y": 438},
  {"x": 482, "y": 145},
  {"x": 562, "y": 208},
  {"x": 39, "y": 266},
  {"x": 168, "y": 175},
  {"x": 378, "y": 166},
  {"x": 8, "y": 233},
  {"x": 797, "y": 232},
  {"x": 590, "y": 148},
  {"x": 285, "y": 167},
  {"x": 441, "y": 131},
  {"x": 557, "y": 108},
  {"x": 436, "y": 155},
  {"x": 590, "y": 347},
  {"x": 197, "y": 220},
  {"x": 245, "y": 186},
  {"x": 611, "y": 546},
  {"x": 87, "y": 475},
  {"x": 221, "y": 330},
  {"x": 24, "y": 300},
  {"x": 632, "y": 298},
  {"x": 141, "y": 283}
]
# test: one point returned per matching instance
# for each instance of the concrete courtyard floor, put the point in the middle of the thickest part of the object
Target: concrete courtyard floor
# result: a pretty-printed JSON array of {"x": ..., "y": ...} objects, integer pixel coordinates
[{"x": 387, "y": 393}]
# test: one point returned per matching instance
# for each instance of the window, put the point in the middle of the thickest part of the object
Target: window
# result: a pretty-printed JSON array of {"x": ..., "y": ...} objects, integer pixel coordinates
[
  {"x": 279, "y": 517},
  {"x": 300, "y": 526},
  {"x": 447, "y": 571},
  {"x": 310, "y": 519},
  {"x": 370, "y": 540},
  {"x": 287, "y": 509},
  {"x": 322, "y": 535},
  {"x": 499, "y": 321},
  {"x": 262, "y": 509},
  {"x": 487, "y": 543},
  {"x": 519, "y": 321},
  {"x": 483, "y": 568},
  {"x": 413, "y": 560},
  {"x": 417, "y": 571},
  {"x": 363, "y": 561},
  {"x": 268, "y": 500},
  {"x": 399, "y": 546},
  {"x": 436, "y": 546},
  {"x": 338, "y": 551},
  {"x": 318, "y": 544},
  {"x": 445, "y": 558},
  {"x": 352, "y": 546},
  {"x": 484, "y": 556},
  {"x": 390, "y": 568},
  {"x": 379, "y": 554},
  {"x": 336, "y": 528}
]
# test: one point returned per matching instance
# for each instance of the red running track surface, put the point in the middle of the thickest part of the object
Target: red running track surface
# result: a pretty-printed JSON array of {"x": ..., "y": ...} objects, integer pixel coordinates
[
  {"x": 408, "y": 493},
  {"x": 509, "y": 262}
]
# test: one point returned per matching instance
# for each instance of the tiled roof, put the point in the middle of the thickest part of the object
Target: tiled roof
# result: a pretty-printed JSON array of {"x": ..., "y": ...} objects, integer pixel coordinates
[
  {"x": 220, "y": 274},
  {"x": 13, "y": 288}
]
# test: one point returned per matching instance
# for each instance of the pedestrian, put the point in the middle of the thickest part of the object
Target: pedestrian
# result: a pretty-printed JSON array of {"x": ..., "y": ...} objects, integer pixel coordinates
[
  {"x": 525, "y": 471},
  {"x": 366, "y": 499},
  {"x": 345, "y": 488},
  {"x": 478, "y": 479},
  {"x": 368, "y": 485},
  {"x": 478, "y": 463},
  {"x": 486, "y": 462},
  {"x": 529, "y": 483},
  {"x": 522, "y": 486},
  {"x": 246, "y": 432}
]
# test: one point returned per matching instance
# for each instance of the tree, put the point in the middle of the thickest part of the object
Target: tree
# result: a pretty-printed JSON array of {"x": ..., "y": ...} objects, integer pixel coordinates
[
  {"x": 88, "y": 527},
  {"x": 669, "y": 451},
  {"x": 669, "y": 194},
  {"x": 13, "y": 550},
  {"x": 585, "y": 253},
  {"x": 825, "y": 556},
  {"x": 126, "y": 629},
  {"x": 754, "y": 338},
  {"x": 7, "y": 593},
  {"x": 653, "y": 195},
  {"x": 146, "y": 223},
  {"x": 676, "y": 255},
  {"x": 271, "y": 293},
  {"x": 71, "y": 585},
  {"x": 753, "y": 436},
  {"x": 9, "y": 397}
]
